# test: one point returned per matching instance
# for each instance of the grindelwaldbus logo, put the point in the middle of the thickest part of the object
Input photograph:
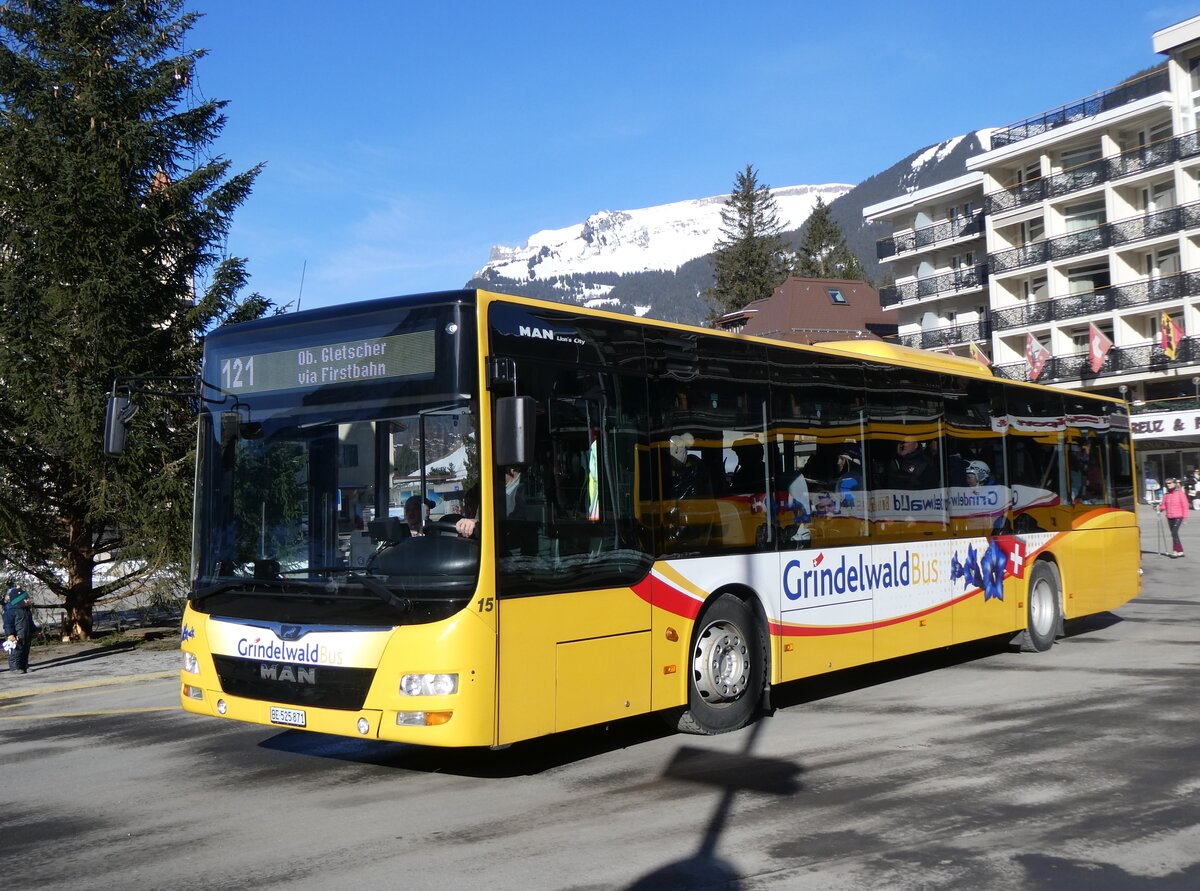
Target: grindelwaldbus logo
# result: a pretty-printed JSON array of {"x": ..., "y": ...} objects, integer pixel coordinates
[
  {"x": 279, "y": 651},
  {"x": 855, "y": 574}
]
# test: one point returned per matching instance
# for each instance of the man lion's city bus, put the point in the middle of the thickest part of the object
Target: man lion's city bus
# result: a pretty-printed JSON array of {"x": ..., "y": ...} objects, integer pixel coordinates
[{"x": 468, "y": 519}]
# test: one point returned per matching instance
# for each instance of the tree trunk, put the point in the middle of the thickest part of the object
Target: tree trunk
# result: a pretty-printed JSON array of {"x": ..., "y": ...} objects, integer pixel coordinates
[{"x": 80, "y": 594}]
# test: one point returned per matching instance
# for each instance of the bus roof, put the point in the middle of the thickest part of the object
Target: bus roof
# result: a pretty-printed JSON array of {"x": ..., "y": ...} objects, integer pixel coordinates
[{"x": 895, "y": 354}]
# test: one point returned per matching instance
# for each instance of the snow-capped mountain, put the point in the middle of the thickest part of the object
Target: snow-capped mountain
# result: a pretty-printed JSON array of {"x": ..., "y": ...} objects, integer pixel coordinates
[
  {"x": 662, "y": 237},
  {"x": 621, "y": 242},
  {"x": 656, "y": 260}
]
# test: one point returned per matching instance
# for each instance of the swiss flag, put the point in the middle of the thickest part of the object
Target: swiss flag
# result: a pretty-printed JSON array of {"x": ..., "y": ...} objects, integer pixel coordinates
[
  {"x": 1014, "y": 550},
  {"x": 1035, "y": 356},
  {"x": 1098, "y": 347}
]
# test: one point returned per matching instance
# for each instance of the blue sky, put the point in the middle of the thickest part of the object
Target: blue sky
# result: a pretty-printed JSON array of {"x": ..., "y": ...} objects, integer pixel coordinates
[{"x": 402, "y": 139}]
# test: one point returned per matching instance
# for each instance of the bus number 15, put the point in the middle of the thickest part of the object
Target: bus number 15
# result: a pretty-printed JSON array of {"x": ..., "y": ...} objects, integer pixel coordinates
[{"x": 237, "y": 373}]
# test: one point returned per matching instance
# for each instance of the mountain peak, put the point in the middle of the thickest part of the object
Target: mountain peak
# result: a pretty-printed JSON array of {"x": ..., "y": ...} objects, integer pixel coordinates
[{"x": 663, "y": 237}]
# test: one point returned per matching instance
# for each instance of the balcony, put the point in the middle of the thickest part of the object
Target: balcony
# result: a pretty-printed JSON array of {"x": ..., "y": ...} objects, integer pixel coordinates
[
  {"x": 1122, "y": 232},
  {"x": 1143, "y": 293},
  {"x": 947, "y": 335},
  {"x": 1143, "y": 358},
  {"x": 1099, "y": 171},
  {"x": 965, "y": 279},
  {"x": 1150, "y": 85},
  {"x": 946, "y": 230}
]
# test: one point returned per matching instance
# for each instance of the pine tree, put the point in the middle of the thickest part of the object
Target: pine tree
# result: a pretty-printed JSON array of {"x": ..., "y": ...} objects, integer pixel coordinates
[
  {"x": 823, "y": 251},
  {"x": 750, "y": 260},
  {"x": 111, "y": 211}
]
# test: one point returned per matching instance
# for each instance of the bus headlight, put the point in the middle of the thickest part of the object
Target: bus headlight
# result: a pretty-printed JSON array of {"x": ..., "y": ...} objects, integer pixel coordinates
[
  {"x": 428, "y": 684},
  {"x": 190, "y": 663}
]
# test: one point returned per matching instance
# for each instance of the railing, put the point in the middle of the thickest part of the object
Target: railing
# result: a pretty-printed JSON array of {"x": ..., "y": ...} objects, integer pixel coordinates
[
  {"x": 1155, "y": 82},
  {"x": 1144, "y": 357},
  {"x": 1102, "y": 170},
  {"x": 947, "y": 335},
  {"x": 946, "y": 230},
  {"x": 1175, "y": 403},
  {"x": 964, "y": 279},
  {"x": 1121, "y": 232},
  {"x": 1155, "y": 290}
]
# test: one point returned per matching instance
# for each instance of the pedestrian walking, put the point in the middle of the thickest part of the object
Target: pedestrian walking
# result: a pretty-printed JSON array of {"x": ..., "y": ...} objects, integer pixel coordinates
[
  {"x": 18, "y": 627},
  {"x": 1175, "y": 505}
]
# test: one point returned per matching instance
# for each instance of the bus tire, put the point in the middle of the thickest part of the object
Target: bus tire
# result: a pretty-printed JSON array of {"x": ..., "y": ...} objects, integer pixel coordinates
[
  {"x": 726, "y": 668},
  {"x": 1041, "y": 608}
]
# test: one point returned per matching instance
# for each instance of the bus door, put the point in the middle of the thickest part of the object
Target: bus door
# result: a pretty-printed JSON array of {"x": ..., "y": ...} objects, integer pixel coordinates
[{"x": 575, "y": 643}]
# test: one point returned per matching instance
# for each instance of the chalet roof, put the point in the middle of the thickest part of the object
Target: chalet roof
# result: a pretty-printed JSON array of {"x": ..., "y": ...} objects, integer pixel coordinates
[{"x": 811, "y": 310}]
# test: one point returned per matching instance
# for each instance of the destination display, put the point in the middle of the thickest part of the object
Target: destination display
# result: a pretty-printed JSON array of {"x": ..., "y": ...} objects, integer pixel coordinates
[{"x": 355, "y": 360}]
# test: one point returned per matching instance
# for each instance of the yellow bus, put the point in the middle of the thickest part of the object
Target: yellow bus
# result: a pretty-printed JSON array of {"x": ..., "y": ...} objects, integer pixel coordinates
[{"x": 469, "y": 519}]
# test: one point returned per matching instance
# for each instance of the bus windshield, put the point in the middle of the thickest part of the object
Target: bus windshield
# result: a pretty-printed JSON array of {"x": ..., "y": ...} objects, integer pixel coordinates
[{"x": 336, "y": 504}]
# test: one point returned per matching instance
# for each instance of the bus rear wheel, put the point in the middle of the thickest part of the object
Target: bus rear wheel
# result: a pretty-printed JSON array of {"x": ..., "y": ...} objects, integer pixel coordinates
[
  {"x": 1042, "y": 608},
  {"x": 726, "y": 668}
]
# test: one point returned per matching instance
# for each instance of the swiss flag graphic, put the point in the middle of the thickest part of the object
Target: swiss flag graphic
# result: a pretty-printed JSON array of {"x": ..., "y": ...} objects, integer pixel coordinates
[{"x": 1014, "y": 550}]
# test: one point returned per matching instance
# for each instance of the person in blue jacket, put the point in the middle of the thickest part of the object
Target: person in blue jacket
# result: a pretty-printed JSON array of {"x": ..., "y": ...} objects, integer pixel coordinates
[
  {"x": 18, "y": 627},
  {"x": 849, "y": 474}
]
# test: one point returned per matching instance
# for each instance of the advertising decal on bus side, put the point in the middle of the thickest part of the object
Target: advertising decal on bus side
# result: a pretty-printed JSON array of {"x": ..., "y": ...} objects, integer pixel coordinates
[{"x": 857, "y": 587}]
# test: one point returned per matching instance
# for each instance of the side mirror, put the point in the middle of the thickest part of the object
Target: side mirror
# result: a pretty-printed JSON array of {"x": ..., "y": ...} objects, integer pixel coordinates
[
  {"x": 515, "y": 422},
  {"x": 120, "y": 410}
]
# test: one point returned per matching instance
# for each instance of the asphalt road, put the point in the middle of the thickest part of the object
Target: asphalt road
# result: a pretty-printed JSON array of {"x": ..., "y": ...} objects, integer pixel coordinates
[{"x": 972, "y": 767}]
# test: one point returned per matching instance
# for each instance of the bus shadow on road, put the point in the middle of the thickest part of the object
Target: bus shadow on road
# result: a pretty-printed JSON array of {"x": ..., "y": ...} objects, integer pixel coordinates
[{"x": 526, "y": 758}]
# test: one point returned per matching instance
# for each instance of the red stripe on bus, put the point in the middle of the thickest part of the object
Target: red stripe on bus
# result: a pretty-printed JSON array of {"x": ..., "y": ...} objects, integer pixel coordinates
[{"x": 667, "y": 597}]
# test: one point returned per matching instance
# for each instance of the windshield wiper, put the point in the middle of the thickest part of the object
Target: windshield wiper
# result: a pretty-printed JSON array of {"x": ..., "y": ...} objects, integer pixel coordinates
[
  {"x": 229, "y": 585},
  {"x": 380, "y": 590}
]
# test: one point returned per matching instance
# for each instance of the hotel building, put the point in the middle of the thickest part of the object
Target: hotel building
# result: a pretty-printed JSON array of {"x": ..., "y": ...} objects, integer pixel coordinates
[{"x": 1081, "y": 220}]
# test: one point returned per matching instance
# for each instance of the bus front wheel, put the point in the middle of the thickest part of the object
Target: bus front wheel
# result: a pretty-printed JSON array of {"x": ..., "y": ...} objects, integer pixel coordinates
[
  {"x": 1042, "y": 608},
  {"x": 726, "y": 668}
]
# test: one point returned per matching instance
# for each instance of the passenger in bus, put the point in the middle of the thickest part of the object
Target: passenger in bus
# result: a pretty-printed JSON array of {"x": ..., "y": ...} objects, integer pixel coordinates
[
  {"x": 978, "y": 474},
  {"x": 686, "y": 478},
  {"x": 749, "y": 476},
  {"x": 849, "y": 474},
  {"x": 911, "y": 467}
]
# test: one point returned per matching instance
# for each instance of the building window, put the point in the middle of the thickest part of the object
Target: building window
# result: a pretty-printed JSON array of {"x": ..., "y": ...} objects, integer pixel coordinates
[
  {"x": 1084, "y": 216},
  {"x": 1084, "y": 279},
  {"x": 1159, "y": 196},
  {"x": 835, "y": 295},
  {"x": 1076, "y": 157},
  {"x": 1160, "y": 132},
  {"x": 1162, "y": 263}
]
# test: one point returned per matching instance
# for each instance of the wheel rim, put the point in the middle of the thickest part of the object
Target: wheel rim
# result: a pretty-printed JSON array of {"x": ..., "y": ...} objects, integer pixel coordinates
[
  {"x": 721, "y": 664},
  {"x": 1041, "y": 608}
]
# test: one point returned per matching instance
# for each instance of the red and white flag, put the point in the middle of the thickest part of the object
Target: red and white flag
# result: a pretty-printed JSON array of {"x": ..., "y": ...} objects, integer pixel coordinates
[
  {"x": 1036, "y": 356},
  {"x": 1098, "y": 347}
]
